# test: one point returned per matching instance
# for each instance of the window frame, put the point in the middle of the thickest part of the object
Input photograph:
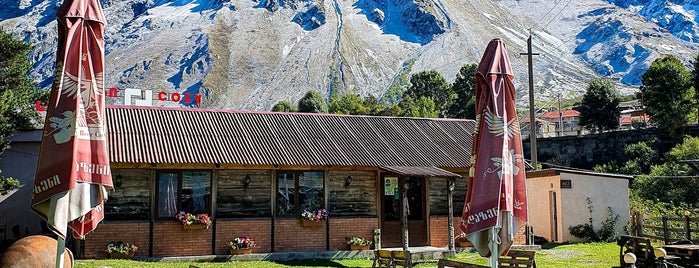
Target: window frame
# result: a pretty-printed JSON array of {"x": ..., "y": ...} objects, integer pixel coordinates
[
  {"x": 296, "y": 200},
  {"x": 180, "y": 175}
]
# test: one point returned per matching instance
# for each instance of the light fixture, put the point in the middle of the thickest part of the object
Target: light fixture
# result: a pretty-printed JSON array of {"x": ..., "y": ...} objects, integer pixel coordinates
[
  {"x": 118, "y": 180},
  {"x": 246, "y": 181},
  {"x": 348, "y": 181}
]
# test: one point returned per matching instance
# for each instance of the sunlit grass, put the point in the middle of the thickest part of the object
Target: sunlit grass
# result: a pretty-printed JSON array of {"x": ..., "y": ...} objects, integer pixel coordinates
[{"x": 568, "y": 255}]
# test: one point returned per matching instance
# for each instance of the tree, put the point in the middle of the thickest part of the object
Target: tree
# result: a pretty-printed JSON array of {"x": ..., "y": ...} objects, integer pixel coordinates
[
  {"x": 464, "y": 87},
  {"x": 313, "y": 102},
  {"x": 421, "y": 107},
  {"x": 599, "y": 108},
  {"x": 284, "y": 106},
  {"x": 672, "y": 182},
  {"x": 667, "y": 94},
  {"x": 431, "y": 85},
  {"x": 18, "y": 93},
  {"x": 348, "y": 104}
]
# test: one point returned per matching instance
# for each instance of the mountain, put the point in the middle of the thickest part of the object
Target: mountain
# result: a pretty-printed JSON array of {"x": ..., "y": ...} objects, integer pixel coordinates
[{"x": 250, "y": 54}]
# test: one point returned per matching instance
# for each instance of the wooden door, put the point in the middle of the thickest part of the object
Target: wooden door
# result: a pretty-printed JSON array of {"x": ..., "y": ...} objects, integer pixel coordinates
[{"x": 391, "y": 231}]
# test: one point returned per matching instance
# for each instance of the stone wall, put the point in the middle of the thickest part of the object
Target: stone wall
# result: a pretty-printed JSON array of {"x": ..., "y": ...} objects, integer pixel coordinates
[{"x": 589, "y": 150}]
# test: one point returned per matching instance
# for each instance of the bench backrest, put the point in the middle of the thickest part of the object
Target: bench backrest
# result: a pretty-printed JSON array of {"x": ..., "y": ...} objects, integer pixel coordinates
[
  {"x": 518, "y": 258},
  {"x": 382, "y": 258},
  {"x": 444, "y": 263},
  {"x": 402, "y": 257}
]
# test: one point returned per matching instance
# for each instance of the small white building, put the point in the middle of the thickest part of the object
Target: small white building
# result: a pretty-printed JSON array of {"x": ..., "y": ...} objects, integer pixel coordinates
[{"x": 559, "y": 199}]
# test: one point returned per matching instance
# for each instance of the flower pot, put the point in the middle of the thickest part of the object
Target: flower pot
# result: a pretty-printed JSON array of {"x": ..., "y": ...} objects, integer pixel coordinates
[
  {"x": 307, "y": 223},
  {"x": 118, "y": 255},
  {"x": 359, "y": 247},
  {"x": 194, "y": 226},
  {"x": 241, "y": 251},
  {"x": 463, "y": 243}
]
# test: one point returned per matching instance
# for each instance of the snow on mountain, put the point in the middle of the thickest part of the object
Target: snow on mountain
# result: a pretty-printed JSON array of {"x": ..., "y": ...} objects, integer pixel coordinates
[{"x": 249, "y": 54}]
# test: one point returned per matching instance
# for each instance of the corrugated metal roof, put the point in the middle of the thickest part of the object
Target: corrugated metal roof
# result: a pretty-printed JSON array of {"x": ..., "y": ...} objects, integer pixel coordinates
[
  {"x": 421, "y": 171},
  {"x": 167, "y": 135}
]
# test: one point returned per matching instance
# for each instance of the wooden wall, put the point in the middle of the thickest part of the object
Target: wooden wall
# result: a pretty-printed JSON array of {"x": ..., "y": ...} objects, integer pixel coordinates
[
  {"x": 235, "y": 200},
  {"x": 131, "y": 199},
  {"x": 358, "y": 199},
  {"x": 437, "y": 192}
]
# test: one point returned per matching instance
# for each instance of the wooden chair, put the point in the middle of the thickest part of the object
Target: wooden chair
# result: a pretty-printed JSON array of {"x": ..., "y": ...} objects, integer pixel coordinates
[
  {"x": 518, "y": 258},
  {"x": 444, "y": 263},
  {"x": 639, "y": 246},
  {"x": 382, "y": 258},
  {"x": 401, "y": 257}
]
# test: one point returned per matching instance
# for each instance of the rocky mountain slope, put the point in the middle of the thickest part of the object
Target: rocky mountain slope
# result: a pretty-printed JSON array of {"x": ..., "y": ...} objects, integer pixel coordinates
[{"x": 249, "y": 54}]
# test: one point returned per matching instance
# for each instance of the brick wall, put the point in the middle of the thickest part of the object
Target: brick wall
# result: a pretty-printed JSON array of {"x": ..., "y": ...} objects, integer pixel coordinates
[
  {"x": 258, "y": 230},
  {"x": 171, "y": 239},
  {"x": 127, "y": 232},
  {"x": 344, "y": 228},
  {"x": 290, "y": 235},
  {"x": 439, "y": 226}
]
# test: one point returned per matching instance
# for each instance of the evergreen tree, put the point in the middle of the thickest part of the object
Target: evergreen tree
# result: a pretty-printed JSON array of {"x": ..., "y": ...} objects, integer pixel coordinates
[
  {"x": 420, "y": 107},
  {"x": 464, "y": 87},
  {"x": 313, "y": 102},
  {"x": 667, "y": 95},
  {"x": 18, "y": 91},
  {"x": 695, "y": 74},
  {"x": 284, "y": 106},
  {"x": 599, "y": 108}
]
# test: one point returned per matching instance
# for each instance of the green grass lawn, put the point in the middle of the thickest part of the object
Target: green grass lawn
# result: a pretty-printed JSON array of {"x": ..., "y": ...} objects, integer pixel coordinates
[{"x": 569, "y": 255}]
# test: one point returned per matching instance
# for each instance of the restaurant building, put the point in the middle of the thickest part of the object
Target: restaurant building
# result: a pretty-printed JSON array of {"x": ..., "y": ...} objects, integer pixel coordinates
[{"x": 256, "y": 172}]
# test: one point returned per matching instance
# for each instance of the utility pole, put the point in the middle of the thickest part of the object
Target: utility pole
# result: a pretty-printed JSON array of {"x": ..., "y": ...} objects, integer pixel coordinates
[
  {"x": 560, "y": 117},
  {"x": 532, "y": 109}
]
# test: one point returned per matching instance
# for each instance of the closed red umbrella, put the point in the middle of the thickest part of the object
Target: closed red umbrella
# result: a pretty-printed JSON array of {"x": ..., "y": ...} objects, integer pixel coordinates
[
  {"x": 73, "y": 174},
  {"x": 495, "y": 206}
]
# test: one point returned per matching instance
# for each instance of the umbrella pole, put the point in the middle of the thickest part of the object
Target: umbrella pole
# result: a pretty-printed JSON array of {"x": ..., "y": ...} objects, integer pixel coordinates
[
  {"x": 60, "y": 251},
  {"x": 493, "y": 261}
]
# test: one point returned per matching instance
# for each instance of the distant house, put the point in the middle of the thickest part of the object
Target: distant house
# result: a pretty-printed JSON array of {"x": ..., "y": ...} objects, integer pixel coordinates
[
  {"x": 566, "y": 122},
  {"x": 559, "y": 199},
  {"x": 544, "y": 129}
]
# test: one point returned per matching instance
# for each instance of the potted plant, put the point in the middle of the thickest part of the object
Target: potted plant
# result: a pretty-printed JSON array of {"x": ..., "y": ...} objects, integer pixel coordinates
[
  {"x": 314, "y": 217},
  {"x": 194, "y": 221},
  {"x": 241, "y": 245},
  {"x": 359, "y": 243},
  {"x": 119, "y": 250},
  {"x": 461, "y": 241}
]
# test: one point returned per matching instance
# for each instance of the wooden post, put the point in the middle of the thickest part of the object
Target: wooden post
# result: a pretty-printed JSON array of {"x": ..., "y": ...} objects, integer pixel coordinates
[
  {"x": 686, "y": 226},
  {"x": 665, "y": 231},
  {"x": 639, "y": 223},
  {"x": 450, "y": 218},
  {"x": 404, "y": 216}
]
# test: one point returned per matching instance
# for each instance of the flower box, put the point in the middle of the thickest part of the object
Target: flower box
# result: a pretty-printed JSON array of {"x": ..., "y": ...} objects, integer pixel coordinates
[
  {"x": 119, "y": 255},
  {"x": 241, "y": 251},
  {"x": 195, "y": 226},
  {"x": 463, "y": 243},
  {"x": 359, "y": 247},
  {"x": 307, "y": 223}
]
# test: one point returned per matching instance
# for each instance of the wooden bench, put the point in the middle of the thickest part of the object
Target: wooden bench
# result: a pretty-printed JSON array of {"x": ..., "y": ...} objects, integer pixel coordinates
[
  {"x": 444, "y": 263},
  {"x": 392, "y": 258},
  {"x": 518, "y": 258},
  {"x": 514, "y": 258},
  {"x": 639, "y": 246},
  {"x": 382, "y": 259}
]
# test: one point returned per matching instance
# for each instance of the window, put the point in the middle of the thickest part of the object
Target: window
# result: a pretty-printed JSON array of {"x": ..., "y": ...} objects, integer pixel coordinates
[
  {"x": 299, "y": 191},
  {"x": 188, "y": 191}
]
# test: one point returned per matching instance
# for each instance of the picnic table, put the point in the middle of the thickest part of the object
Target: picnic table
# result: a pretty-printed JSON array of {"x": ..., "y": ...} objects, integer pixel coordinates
[{"x": 688, "y": 253}]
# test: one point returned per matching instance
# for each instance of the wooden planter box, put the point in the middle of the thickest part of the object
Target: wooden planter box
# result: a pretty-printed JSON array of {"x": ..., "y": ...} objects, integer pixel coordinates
[
  {"x": 359, "y": 247},
  {"x": 241, "y": 251},
  {"x": 194, "y": 226},
  {"x": 117, "y": 255},
  {"x": 307, "y": 223},
  {"x": 463, "y": 243}
]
